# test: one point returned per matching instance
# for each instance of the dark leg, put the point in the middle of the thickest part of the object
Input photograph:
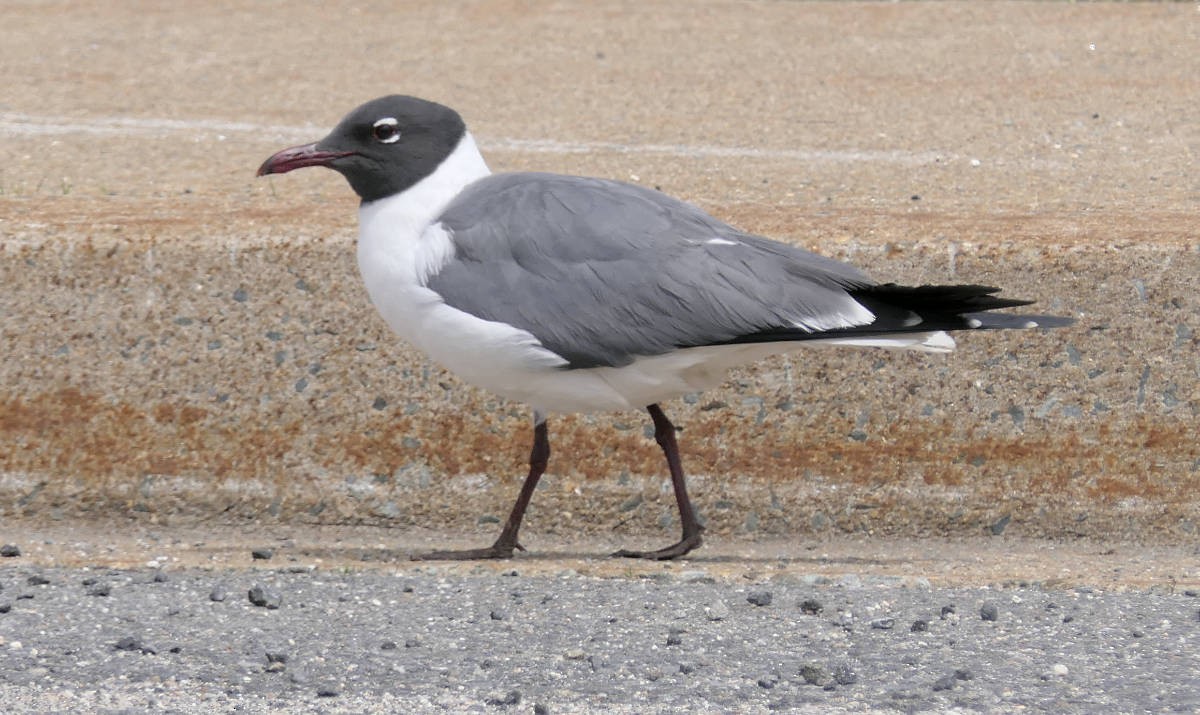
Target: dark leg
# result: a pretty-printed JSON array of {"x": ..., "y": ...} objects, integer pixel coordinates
[
  {"x": 664, "y": 434},
  {"x": 503, "y": 548}
]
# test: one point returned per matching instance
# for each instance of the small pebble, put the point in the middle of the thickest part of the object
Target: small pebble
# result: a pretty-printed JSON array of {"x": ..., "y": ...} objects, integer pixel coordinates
[
  {"x": 963, "y": 674},
  {"x": 947, "y": 611},
  {"x": 687, "y": 668},
  {"x": 674, "y": 639},
  {"x": 883, "y": 624},
  {"x": 540, "y": 709},
  {"x": 919, "y": 626},
  {"x": 262, "y": 554},
  {"x": 850, "y": 580},
  {"x": 946, "y": 682},
  {"x": 759, "y": 598},
  {"x": 276, "y": 657},
  {"x": 768, "y": 681},
  {"x": 989, "y": 611},
  {"x": 327, "y": 693},
  {"x": 811, "y": 607},
  {"x": 843, "y": 674},
  {"x": 99, "y": 589},
  {"x": 499, "y": 615},
  {"x": 998, "y": 527},
  {"x": 128, "y": 643},
  {"x": 574, "y": 654},
  {"x": 1060, "y": 670},
  {"x": 9, "y": 551},
  {"x": 716, "y": 611},
  {"x": 5, "y": 607},
  {"x": 37, "y": 580},
  {"x": 812, "y": 673},
  {"x": 413, "y": 642},
  {"x": 160, "y": 577},
  {"x": 388, "y": 645},
  {"x": 264, "y": 597},
  {"x": 512, "y": 697},
  {"x": 217, "y": 593}
]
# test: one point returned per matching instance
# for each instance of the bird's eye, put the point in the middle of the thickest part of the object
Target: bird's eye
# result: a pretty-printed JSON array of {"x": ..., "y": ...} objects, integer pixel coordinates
[{"x": 386, "y": 130}]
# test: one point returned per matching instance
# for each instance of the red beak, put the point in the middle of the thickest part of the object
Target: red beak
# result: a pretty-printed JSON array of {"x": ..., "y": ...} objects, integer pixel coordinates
[{"x": 298, "y": 157}]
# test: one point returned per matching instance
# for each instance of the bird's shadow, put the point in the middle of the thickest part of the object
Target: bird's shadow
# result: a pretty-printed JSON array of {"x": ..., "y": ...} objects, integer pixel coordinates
[{"x": 390, "y": 556}]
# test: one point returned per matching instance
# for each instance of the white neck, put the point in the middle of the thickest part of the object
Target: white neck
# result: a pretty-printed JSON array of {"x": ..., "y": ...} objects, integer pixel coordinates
[
  {"x": 417, "y": 206},
  {"x": 396, "y": 245}
]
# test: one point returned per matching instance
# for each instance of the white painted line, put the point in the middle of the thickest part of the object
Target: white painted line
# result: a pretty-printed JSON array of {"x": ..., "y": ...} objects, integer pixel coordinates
[
  {"x": 544, "y": 146},
  {"x": 16, "y": 124},
  {"x": 19, "y": 124}
]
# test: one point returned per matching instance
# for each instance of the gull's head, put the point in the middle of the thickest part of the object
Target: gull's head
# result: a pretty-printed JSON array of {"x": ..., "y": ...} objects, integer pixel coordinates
[{"x": 382, "y": 147}]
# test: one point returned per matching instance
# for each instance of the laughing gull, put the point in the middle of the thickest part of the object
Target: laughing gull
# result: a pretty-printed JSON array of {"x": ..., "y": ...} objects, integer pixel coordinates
[{"x": 574, "y": 294}]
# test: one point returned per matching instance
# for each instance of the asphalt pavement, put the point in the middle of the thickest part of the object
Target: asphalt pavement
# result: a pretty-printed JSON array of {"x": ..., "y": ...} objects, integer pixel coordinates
[{"x": 300, "y": 640}]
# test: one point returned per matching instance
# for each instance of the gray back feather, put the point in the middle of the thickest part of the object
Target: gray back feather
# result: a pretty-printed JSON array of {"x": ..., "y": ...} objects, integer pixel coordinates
[{"x": 602, "y": 271}]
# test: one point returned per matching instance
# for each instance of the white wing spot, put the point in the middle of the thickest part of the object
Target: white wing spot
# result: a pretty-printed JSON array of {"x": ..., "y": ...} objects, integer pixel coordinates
[
  {"x": 1030, "y": 324},
  {"x": 975, "y": 323},
  {"x": 854, "y": 315},
  {"x": 720, "y": 242}
]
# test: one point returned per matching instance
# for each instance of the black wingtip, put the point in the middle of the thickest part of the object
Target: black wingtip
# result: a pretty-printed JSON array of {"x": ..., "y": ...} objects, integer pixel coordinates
[
  {"x": 938, "y": 298},
  {"x": 1005, "y": 321}
]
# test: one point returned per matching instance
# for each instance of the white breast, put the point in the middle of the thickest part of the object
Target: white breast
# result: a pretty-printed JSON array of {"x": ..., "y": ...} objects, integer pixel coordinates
[{"x": 400, "y": 247}]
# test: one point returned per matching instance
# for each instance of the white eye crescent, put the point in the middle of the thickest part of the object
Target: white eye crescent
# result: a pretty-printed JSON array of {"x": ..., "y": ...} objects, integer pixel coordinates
[{"x": 386, "y": 130}]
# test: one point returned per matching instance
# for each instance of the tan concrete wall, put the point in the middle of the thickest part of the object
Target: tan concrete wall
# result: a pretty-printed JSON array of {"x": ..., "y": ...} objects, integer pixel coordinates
[{"x": 181, "y": 339}]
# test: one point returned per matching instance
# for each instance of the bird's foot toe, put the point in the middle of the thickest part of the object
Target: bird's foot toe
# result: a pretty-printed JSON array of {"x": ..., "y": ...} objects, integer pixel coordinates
[{"x": 673, "y": 551}]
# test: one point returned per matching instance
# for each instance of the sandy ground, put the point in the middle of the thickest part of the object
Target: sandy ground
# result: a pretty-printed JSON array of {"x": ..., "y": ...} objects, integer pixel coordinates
[{"x": 943, "y": 563}]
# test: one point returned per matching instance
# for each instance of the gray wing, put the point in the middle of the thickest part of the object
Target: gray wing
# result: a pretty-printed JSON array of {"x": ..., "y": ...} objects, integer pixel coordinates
[{"x": 601, "y": 271}]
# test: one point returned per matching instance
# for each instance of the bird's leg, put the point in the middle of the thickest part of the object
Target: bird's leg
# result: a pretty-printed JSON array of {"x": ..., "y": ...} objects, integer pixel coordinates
[
  {"x": 503, "y": 548},
  {"x": 664, "y": 434}
]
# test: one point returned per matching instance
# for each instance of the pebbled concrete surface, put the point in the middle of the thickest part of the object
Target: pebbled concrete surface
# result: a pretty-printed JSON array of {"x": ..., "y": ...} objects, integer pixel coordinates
[
  {"x": 181, "y": 338},
  {"x": 117, "y": 616},
  {"x": 377, "y": 642}
]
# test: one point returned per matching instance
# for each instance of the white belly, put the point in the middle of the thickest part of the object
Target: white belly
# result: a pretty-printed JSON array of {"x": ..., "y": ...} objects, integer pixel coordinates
[{"x": 511, "y": 363}]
